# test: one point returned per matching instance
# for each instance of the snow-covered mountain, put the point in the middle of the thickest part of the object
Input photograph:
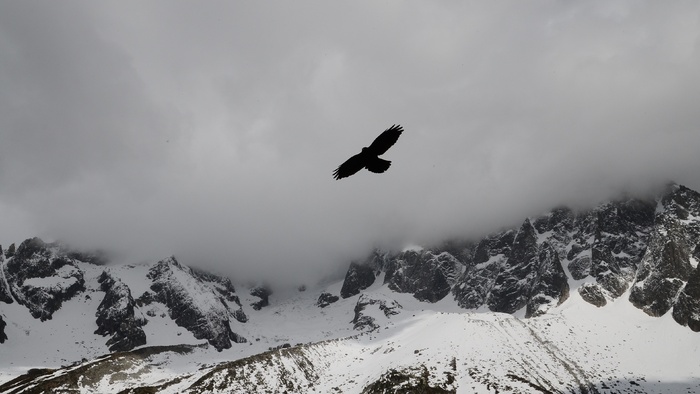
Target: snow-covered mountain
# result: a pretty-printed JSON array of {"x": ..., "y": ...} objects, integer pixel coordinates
[{"x": 606, "y": 300}]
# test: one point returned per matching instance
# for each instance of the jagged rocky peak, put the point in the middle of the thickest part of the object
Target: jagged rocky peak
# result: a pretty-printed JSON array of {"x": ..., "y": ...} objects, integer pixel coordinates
[
  {"x": 41, "y": 277},
  {"x": 670, "y": 260},
  {"x": 550, "y": 286},
  {"x": 513, "y": 283},
  {"x": 117, "y": 315},
  {"x": 198, "y": 302},
  {"x": 10, "y": 251},
  {"x": 489, "y": 256},
  {"x": 530, "y": 267},
  {"x": 622, "y": 232},
  {"x": 428, "y": 275},
  {"x": 361, "y": 275}
]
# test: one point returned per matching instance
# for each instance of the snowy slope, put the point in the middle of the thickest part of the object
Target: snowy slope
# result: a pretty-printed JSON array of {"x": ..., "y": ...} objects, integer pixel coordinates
[{"x": 574, "y": 348}]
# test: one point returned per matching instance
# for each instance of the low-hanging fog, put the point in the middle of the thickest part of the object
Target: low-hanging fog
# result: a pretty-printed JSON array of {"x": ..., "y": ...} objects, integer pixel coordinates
[{"x": 211, "y": 130}]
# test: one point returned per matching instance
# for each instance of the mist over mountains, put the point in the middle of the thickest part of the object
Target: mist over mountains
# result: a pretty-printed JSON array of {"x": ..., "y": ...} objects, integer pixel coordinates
[
  {"x": 625, "y": 265},
  {"x": 165, "y": 130}
]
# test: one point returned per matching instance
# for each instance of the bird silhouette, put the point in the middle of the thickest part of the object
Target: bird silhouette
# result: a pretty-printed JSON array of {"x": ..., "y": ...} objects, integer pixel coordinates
[{"x": 369, "y": 157}]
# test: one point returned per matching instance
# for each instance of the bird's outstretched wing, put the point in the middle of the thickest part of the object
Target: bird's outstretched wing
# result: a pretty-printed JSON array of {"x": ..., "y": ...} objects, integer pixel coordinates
[
  {"x": 385, "y": 140},
  {"x": 351, "y": 166}
]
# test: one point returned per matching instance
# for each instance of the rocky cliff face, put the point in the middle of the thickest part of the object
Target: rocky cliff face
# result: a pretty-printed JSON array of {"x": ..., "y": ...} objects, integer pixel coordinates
[
  {"x": 41, "y": 277},
  {"x": 427, "y": 275},
  {"x": 479, "y": 277},
  {"x": 358, "y": 278},
  {"x": 204, "y": 308},
  {"x": 118, "y": 316},
  {"x": 649, "y": 247},
  {"x": 666, "y": 269}
]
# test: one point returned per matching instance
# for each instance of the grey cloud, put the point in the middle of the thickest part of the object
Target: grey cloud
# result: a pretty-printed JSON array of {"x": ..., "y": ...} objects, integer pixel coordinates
[{"x": 211, "y": 130}]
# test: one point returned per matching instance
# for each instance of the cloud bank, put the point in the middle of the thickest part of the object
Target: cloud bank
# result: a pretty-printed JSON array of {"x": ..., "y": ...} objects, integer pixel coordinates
[{"x": 210, "y": 131}]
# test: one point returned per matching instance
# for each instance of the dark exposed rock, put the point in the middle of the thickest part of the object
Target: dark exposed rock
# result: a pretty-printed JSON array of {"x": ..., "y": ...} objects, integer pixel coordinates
[
  {"x": 551, "y": 286},
  {"x": 410, "y": 381},
  {"x": 41, "y": 277},
  {"x": 580, "y": 267},
  {"x": 622, "y": 231},
  {"x": 616, "y": 244},
  {"x": 116, "y": 316},
  {"x": 666, "y": 266},
  {"x": 145, "y": 299},
  {"x": 263, "y": 292},
  {"x": 686, "y": 310},
  {"x": 593, "y": 294},
  {"x": 512, "y": 286},
  {"x": 358, "y": 278},
  {"x": 3, "y": 336},
  {"x": 5, "y": 295},
  {"x": 473, "y": 287},
  {"x": 326, "y": 299},
  {"x": 10, "y": 251},
  {"x": 429, "y": 277},
  {"x": 196, "y": 304},
  {"x": 556, "y": 228},
  {"x": 363, "y": 320}
]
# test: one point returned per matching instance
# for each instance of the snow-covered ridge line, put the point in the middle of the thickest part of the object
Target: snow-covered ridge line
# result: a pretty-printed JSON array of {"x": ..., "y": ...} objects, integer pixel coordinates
[{"x": 650, "y": 246}]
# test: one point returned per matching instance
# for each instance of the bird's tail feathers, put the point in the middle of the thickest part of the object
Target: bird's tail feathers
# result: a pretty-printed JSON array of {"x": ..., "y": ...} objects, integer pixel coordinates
[{"x": 377, "y": 165}]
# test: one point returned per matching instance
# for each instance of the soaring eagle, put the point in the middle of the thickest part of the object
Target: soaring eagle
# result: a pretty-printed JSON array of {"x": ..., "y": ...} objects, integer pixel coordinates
[{"x": 369, "y": 157}]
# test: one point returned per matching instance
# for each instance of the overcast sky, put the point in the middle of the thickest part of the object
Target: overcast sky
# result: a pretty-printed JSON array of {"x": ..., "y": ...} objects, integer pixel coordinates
[{"x": 210, "y": 130}]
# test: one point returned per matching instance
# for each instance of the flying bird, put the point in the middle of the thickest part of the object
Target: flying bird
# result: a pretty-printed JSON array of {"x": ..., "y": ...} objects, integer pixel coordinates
[{"x": 369, "y": 157}]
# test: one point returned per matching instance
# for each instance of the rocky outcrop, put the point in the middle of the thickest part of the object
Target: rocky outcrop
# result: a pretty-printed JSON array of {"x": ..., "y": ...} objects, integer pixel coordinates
[
  {"x": 117, "y": 317},
  {"x": 326, "y": 299},
  {"x": 666, "y": 266},
  {"x": 427, "y": 275},
  {"x": 10, "y": 252},
  {"x": 3, "y": 336},
  {"x": 686, "y": 310},
  {"x": 358, "y": 278},
  {"x": 369, "y": 309},
  {"x": 5, "y": 295},
  {"x": 551, "y": 286},
  {"x": 531, "y": 277},
  {"x": 622, "y": 233},
  {"x": 41, "y": 277},
  {"x": 512, "y": 286},
  {"x": 489, "y": 258},
  {"x": 196, "y": 304},
  {"x": 531, "y": 268},
  {"x": 262, "y": 292},
  {"x": 593, "y": 294}
]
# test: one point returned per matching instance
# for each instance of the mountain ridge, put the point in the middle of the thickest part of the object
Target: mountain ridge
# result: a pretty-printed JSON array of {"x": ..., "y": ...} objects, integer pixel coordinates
[{"x": 637, "y": 254}]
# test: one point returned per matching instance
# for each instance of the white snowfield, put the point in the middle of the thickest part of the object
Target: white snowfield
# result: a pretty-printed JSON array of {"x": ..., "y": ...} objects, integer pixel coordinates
[{"x": 575, "y": 347}]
